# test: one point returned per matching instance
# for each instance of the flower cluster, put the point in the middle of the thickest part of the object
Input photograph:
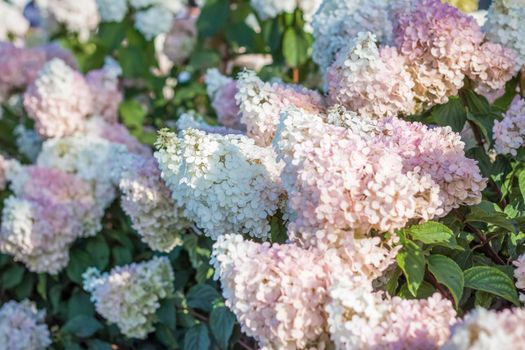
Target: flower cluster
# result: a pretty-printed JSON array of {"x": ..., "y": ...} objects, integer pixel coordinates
[
  {"x": 260, "y": 104},
  {"x": 129, "y": 295},
  {"x": 222, "y": 91},
  {"x": 519, "y": 274},
  {"x": 48, "y": 210},
  {"x": 22, "y": 326},
  {"x": 362, "y": 73},
  {"x": 338, "y": 21},
  {"x": 78, "y": 16},
  {"x": 106, "y": 95},
  {"x": 147, "y": 201},
  {"x": 12, "y": 21},
  {"x": 504, "y": 26},
  {"x": 58, "y": 100},
  {"x": 279, "y": 292},
  {"x": 509, "y": 133},
  {"x": 181, "y": 39},
  {"x": 484, "y": 329},
  {"x": 152, "y": 17},
  {"x": 361, "y": 319},
  {"x": 224, "y": 183},
  {"x": 20, "y": 66},
  {"x": 341, "y": 178},
  {"x": 436, "y": 48}
]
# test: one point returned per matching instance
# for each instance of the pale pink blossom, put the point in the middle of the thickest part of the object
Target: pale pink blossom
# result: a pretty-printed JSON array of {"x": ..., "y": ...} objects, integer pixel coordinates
[{"x": 509, "y": 133}]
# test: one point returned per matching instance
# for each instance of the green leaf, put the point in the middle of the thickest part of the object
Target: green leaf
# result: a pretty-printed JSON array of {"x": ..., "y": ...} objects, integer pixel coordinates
[
  {"x": 490, "y": 279},
  {"x": 484, "y": 122},
  {"x": 521, "y": 183},
  {"x": 121, "y": 255},
  {"x": 132, "y": 113},
  {"x": 97, "y": 344},
  {"x": 411, "y": 260},
  {"x": 99, "y": 251},
  {"x": 435, "y": 233},
  {"x": 111, "y": 34},
  {"x": 79, "y": 262},
  {"x": 79, "y": 304},
  {"x": 295, "y": 47},
  {"x": 483, "y": 299},
  {"x": 475, "y": 103},
  {"x": 451, "y": 114},
  {"x": 82, "y": 326},
  {"x": 278, "y": 229},
  {"x": 222, "y": 322},
  {"x": 12, "y": 277},
  {"x": 425, "y": 290},
  {"x": 25, "y": 289},
  {"x": 448, "y": 273},
  {"x": 213, "y": 17},
  {"x": 202, "y": 296},
  {"x": 197, "y": 338},
  {"x": 166, "y": 313},
  {"x": 482, "y": 214},
  {"x": 41, "y": 286},
  {"x": 166, "y": 336}
]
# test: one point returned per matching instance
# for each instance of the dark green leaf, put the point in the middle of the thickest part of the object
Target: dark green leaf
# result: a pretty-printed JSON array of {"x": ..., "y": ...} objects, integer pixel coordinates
[
  {"x": 483, "y": 299},
  {"x": 12, "y": 277},
  {"x": 213, "y": 17},
  {"x": 82, "y": 326},
  {"x": 448, "y": 273},
  {"x": 121, "y": 255},
  {"x": 166, "y": 313},
  {"x": 482, "y": 214},
  {"x": 197, "y": 338},
  {"x": 99, "y": 251},
  {"x": 278, "y": 229},
  {"x": 166, "y": 336},
  {"x": 425, "y": 290},
  {"x": 411, "y": 260},
  {"x": 202, "y": 296},
  {"x": 79, "y": 304},
  {"x": 491, "y": 280},
  {"x": 97, "y": 344},
  {"x": 222, "y": 322},
  {"x": 79, "y": 262},
  {"x": 451, "y": 114}
]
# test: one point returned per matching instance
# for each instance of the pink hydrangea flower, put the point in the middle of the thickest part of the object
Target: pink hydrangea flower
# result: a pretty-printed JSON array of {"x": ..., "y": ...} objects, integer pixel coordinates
[
  {"x": 20, "y": 66},
  {"x": 260, "y": 104},
  {"x": 279, "y": 292},
  {"x": 372, "y": 82},
  {"x": 47, "y": 212},
  {"x": 181, "y": 39},
  {"x": 489, "y": 329},
  {"x": 359, "y": 318},
  {"x": 222, "y": 91},
  {"x": 509, "y": 133},
  {"x": 490, "y": 68},
  {"x": 103, "y": 85},
  {"x": 438, "y": 41},
  {"x": 59, "y": 100},
  {"x": 519, "y": 274},
  {"x": 337, "y": 179}
]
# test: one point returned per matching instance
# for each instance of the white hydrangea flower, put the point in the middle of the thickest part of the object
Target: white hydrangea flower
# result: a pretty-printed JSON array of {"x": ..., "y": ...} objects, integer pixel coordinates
[
  {"x": 174, "y": 6},
  {"x": 153, "y": 21},
  {"x": 129, "y": 295},
  {"x": 266, "y": 9},
  {"x": 214, "y": 80},
  {"x": 336, "y": 22},
  {"x": 504, "y": 25},
  {"x": 28, "y": 141},
  {"x": 112, "y": 10},
  {"x": 12, "y": 21},
  {"x": 224, "y": 182},
  {"x": 193, "y": 121},
  {"x": 483, "y": 329},
  {"x": 78, "y": 16},
  {"x": 22, "y": 327},
  {"x": 147, "y": 201}
]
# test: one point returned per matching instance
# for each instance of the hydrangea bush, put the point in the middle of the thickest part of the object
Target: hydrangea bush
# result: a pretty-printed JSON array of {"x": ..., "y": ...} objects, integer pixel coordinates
[{"x": 258, "y": 174}]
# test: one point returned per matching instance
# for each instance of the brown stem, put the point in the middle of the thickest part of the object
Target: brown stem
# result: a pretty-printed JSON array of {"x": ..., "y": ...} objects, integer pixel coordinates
[
  {"x": 430, "y": 278},
  {"x": 477, "y": 133},
  {"x": 295, "y": 74},
  {"x": 485, "y": 245}
]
